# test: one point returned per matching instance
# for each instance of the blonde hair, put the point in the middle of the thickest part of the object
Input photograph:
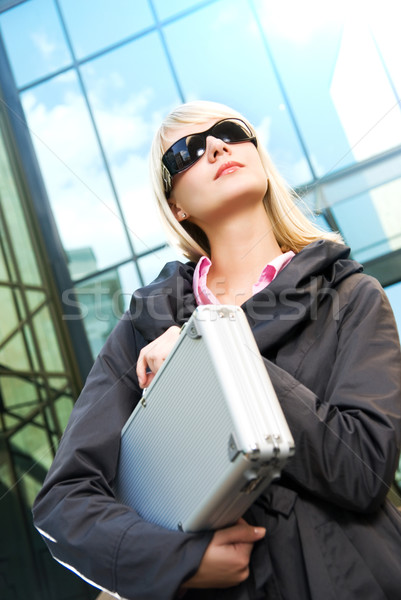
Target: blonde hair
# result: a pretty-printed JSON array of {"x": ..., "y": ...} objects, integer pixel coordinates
[{"x": 292, "y": 229}]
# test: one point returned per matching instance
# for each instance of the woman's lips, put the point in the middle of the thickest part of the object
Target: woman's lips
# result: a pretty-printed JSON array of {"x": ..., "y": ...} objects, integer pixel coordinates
[{"x": 227, "y": 168}]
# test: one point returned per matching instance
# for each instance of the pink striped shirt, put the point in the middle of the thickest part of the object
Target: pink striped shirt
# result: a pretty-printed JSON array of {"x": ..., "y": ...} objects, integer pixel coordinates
[{"x": 204, "y": 296}]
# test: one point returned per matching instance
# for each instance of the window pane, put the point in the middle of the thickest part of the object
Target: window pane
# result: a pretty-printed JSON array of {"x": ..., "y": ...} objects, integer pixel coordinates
[
  {"x": 228, "y": 63},
  {"x": 167, "y": 9},
  {"x": 103, "y": 300},
  {"x": 373, "y": 175},
  {"x": 366, "y": 205},
  {"x": 3, "y": 266},
  {"x": 152, "y": 264},
  {"x": 47, "y": 340},
  {"x": 385, "y": 21},
  {"x": 34, "y": 40},
  {"x": 32, "y": 455},
  {"x": 19, "y": 395},
  {"x": 9, "y": 318},
  {"x": 16, "y": 225},
  {"x": 394, "y": 295},
  {"x": 335, "y": 80},
  {"x": 124, "y": 89},
  {"x": 79, "y": 190},
  {"x": 32, "y": 349},
  {"x": 6, "y": 479},
  {"x": 13, "y": 355},
  {"x": 387, "y": 202},
  {"x": 34, "y": 299},
  {"x": 114, "y": 21},
  {"x": 130, "y": 282},
  {"x": 63, "y": 406},
  {"x": 365, "y": 235}
]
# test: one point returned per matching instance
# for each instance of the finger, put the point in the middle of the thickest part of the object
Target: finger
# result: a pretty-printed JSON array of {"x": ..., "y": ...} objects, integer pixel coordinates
[
  {"x": 141, "y": 367},
  {"x": 240, "y": 533},
  {"x": 148, "y": 380},
  {"x": 147, "y": 369},
  {"x": 155, "y": 361}
]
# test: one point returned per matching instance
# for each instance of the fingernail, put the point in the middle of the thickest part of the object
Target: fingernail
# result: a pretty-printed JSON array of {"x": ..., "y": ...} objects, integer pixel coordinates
[{"x": 260, "y": 531}]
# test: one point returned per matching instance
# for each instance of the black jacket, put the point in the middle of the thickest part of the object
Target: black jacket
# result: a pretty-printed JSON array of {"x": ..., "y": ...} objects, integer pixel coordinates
[{"x": 330, "y": 345}]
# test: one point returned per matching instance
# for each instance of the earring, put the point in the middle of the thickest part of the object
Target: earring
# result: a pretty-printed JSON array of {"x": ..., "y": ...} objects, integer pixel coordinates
[{"x": 183, "y": 215}]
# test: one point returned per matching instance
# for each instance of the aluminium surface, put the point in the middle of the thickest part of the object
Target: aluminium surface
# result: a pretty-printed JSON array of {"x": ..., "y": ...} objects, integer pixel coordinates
[{"x": 208, "y": 435}]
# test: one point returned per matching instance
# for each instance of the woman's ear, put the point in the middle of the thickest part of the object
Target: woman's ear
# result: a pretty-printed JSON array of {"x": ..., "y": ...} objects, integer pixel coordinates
[{"x": 179, "y": 214}]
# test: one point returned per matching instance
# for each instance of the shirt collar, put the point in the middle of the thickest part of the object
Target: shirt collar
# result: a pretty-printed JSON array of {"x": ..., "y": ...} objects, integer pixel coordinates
[{"x": 204, "y": 295}]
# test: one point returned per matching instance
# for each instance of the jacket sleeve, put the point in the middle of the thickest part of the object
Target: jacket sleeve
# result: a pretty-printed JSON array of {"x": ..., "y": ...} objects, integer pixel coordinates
[
  {"x": 348, "y": 441},
  {"x": 85, "y": 528}
]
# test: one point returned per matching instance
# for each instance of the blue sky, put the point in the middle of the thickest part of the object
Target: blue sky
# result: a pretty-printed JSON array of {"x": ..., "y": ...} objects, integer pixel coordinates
[{"x": 332, "y": 104}]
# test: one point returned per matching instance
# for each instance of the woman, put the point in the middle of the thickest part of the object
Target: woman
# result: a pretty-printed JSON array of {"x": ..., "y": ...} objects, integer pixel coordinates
[{"x": 327, "y": 334}]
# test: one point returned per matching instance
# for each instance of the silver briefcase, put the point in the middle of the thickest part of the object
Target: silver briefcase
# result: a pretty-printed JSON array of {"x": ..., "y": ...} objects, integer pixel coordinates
[{"x": 208, "y": 435}]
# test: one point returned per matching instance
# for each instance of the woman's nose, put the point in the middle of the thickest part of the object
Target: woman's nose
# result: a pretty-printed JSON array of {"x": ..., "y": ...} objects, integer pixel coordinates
[{"x": 215, "y": 147}]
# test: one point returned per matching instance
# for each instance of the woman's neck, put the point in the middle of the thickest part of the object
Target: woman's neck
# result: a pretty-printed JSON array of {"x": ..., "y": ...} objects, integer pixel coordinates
[{"x": 240, "y": 248}]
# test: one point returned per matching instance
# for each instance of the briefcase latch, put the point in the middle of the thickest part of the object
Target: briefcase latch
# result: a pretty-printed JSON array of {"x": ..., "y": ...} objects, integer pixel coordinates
[
  {"x": 232, "y": 448},
  {"x": 192, "y": 330},
  {"x": 252, "y": 484}
]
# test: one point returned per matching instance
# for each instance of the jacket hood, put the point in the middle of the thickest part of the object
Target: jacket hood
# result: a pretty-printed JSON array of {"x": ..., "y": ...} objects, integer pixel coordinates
[{"x": 291, "y": 297}]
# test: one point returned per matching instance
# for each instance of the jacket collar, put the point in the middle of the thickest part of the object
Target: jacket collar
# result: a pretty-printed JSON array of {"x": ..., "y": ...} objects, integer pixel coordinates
[{"x": 290, "y": 299}]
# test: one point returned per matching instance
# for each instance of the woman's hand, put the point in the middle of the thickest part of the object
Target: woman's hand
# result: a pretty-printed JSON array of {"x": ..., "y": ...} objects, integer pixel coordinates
[
  {"x": 226, "y": 560},
  {"x": 152, "y": 356}
]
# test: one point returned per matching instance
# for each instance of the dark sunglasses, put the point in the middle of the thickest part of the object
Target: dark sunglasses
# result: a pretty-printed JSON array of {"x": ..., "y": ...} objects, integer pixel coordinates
[{"x": 187, "y": 150}]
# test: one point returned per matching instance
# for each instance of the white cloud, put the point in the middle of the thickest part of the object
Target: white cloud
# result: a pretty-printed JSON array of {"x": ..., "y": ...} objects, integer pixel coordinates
[
  {"x": 263, "y": 131},
  {"x": 386, "y": 200},
  {"x": 43, "y": 44},
  {"x": 297, "y": 21},
  {"x": 229, "y": 13},
  {"x": 362, "y": 95},
  {"x": 123, "y": 128},
  {"x": 79, "y": 190}
]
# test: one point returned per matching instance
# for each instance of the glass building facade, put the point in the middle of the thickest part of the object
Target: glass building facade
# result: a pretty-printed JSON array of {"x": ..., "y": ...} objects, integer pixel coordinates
[{"x": 83, "y": 86}]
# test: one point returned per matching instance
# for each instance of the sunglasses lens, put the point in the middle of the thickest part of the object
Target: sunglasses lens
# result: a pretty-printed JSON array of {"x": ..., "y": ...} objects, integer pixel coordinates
[
  {"x": 177, "y": 157},
  {"x": 186, "y": 151},
  {"x": 231, "y": 131},
  {"x": 196, "y": 147}
]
